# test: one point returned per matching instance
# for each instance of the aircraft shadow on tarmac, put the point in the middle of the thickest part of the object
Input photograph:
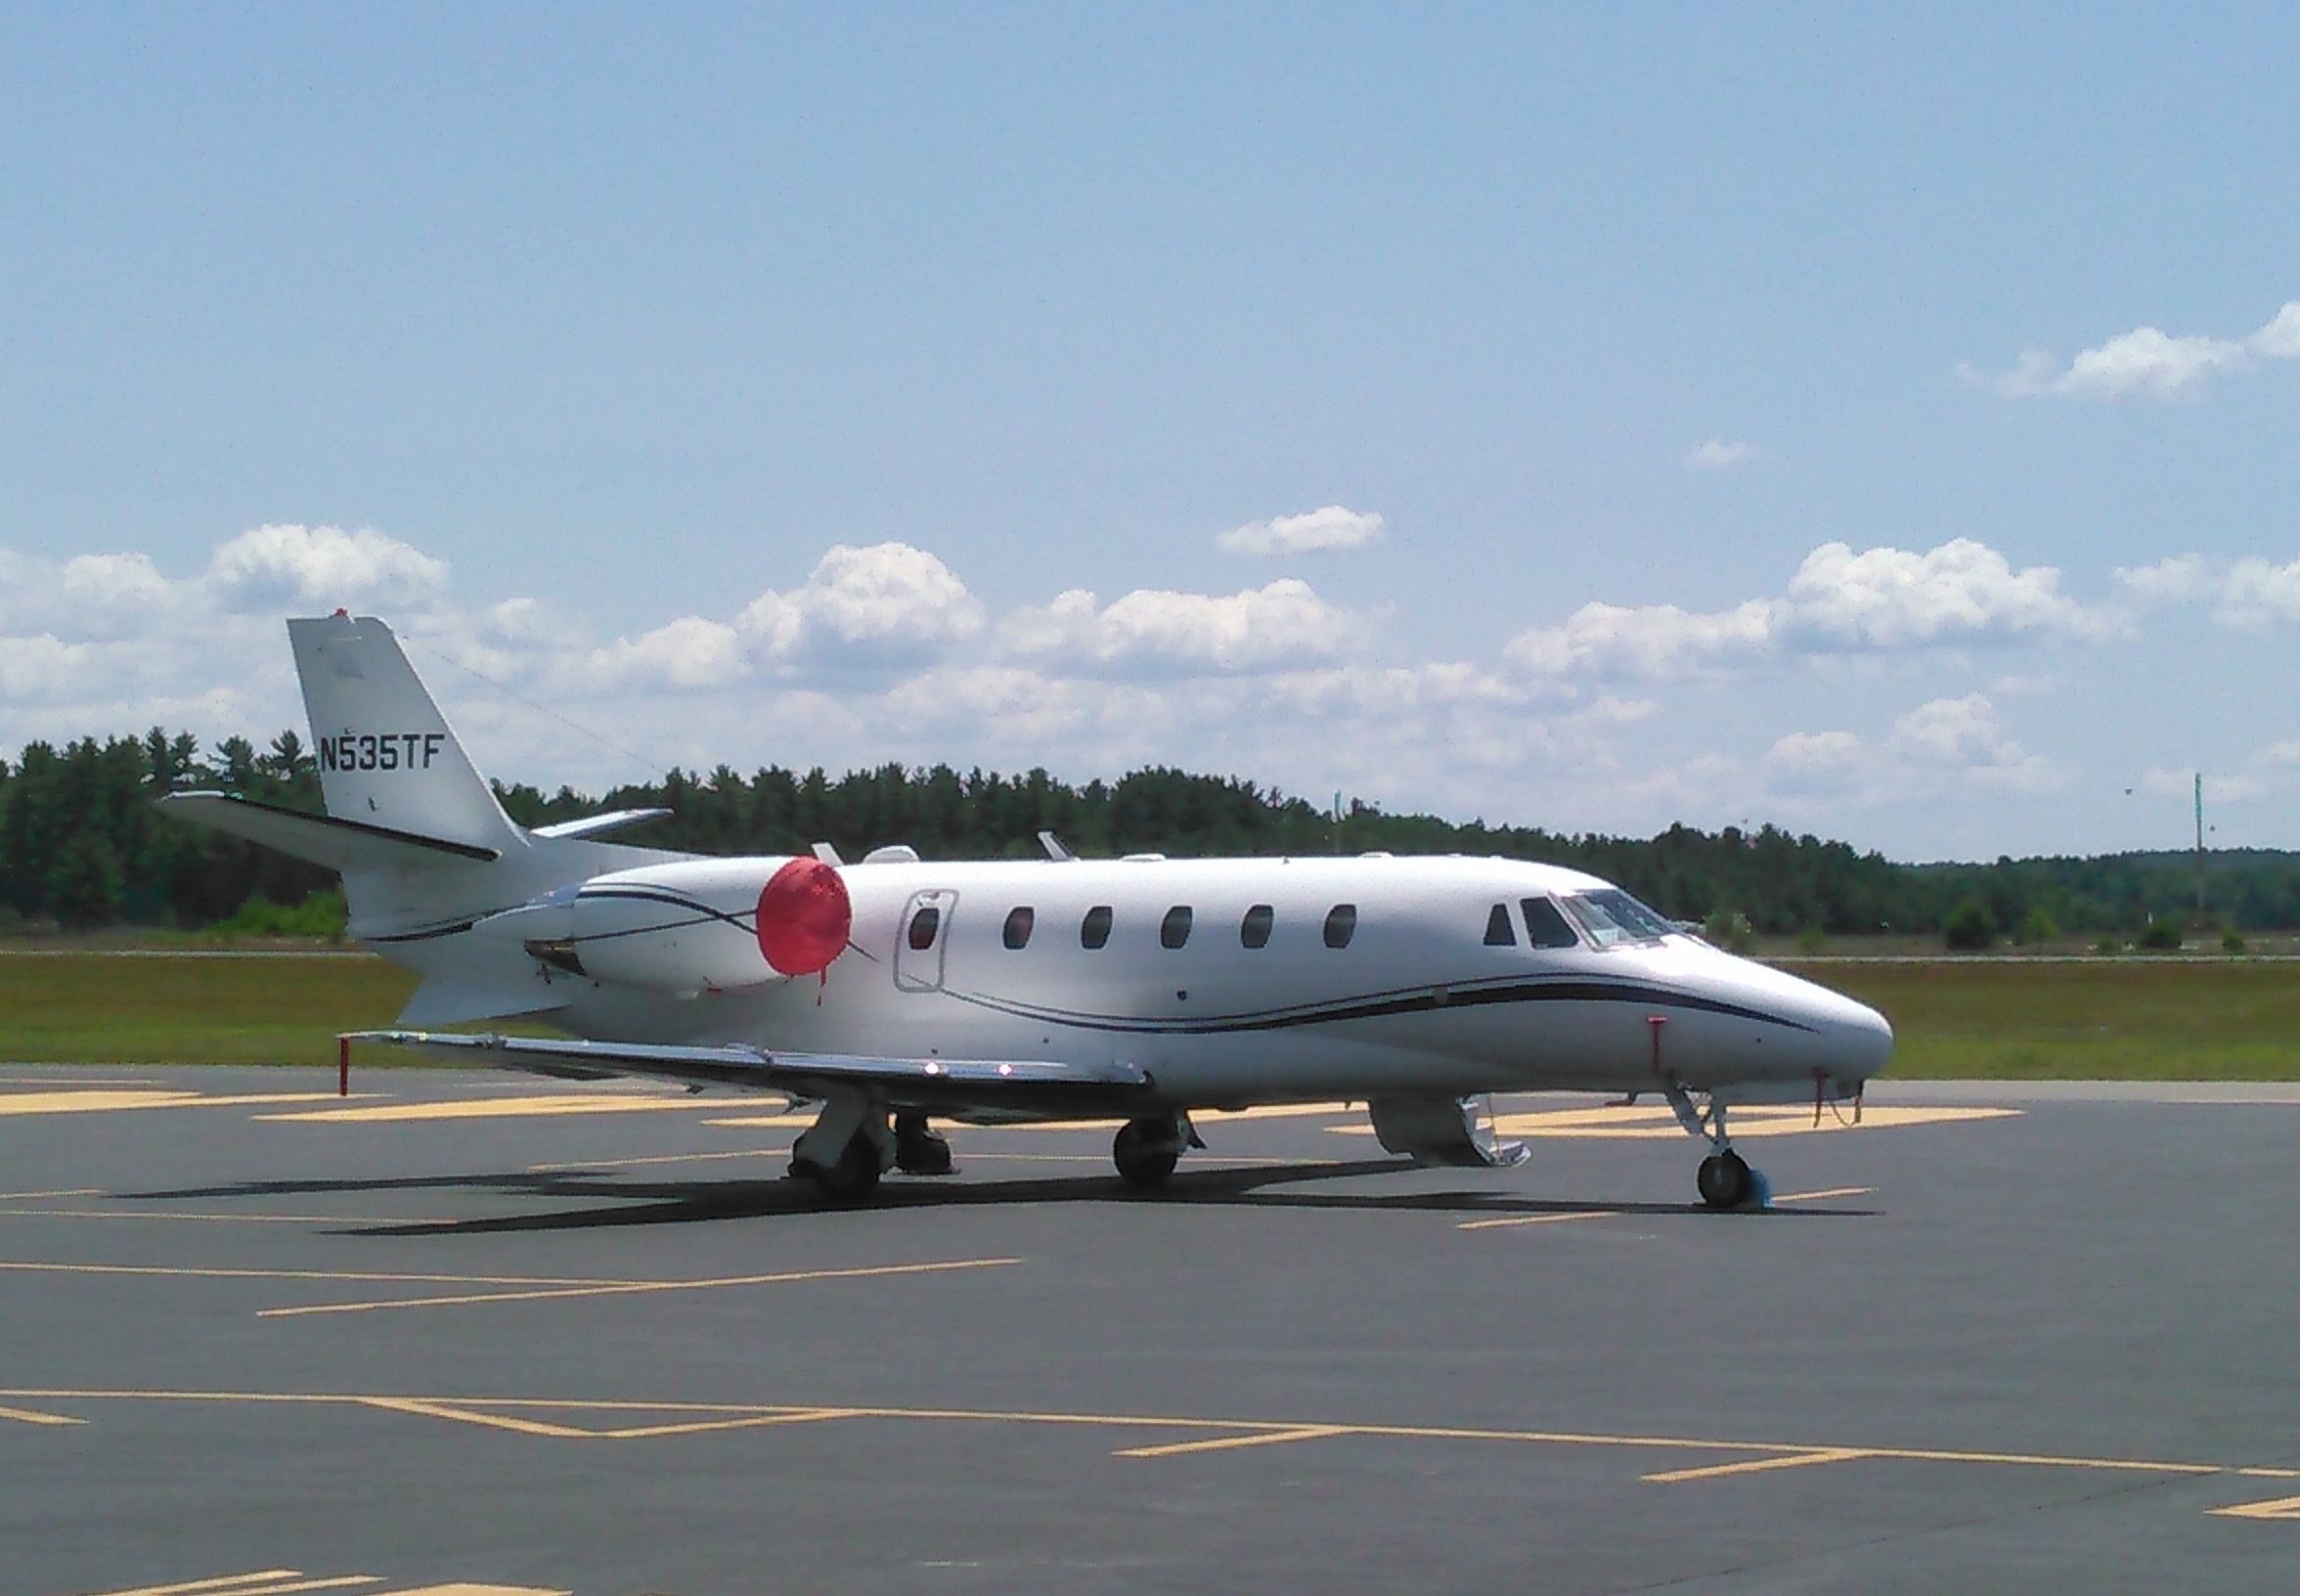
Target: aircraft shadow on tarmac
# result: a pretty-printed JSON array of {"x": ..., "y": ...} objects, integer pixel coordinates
[{"x": 691, "y": 1202}]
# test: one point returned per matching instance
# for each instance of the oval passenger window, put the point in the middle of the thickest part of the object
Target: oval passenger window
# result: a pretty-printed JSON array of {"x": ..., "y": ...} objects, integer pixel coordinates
[
  {"x": 1341, "y": 925},
  {"x": 923, "y": 926},
  {"x": 1018, "y": 927},
  {"x": 1253, "y": 931},
  {"x": 1094, "y": 929},
  {"x": 1174, "y": 929}
]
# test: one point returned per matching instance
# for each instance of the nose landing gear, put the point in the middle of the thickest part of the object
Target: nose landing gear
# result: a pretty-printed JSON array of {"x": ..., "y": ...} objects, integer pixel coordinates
[{"x": 1724, "y": 1179}]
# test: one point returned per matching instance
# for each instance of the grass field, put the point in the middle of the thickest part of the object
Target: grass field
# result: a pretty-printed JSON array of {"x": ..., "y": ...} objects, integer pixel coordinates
[{"x": 2170, "y": 1019}]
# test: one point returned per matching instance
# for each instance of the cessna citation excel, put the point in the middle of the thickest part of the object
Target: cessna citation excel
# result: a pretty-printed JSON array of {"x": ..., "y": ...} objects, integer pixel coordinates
[{"x": 896, "y": 990}]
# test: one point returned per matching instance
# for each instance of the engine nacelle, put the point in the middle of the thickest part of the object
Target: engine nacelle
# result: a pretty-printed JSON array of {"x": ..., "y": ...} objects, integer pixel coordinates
[{"x": 698, "y": 926}]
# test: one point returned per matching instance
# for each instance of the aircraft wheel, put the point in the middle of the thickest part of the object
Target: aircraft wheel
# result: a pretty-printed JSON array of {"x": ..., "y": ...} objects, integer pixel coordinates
[
  {"x": 919, "y": 1150},
  {"x": 853, "y": 1178},
  {"x": 1725, "y": 1181},
  {"x": 1146, "y": 1152}
]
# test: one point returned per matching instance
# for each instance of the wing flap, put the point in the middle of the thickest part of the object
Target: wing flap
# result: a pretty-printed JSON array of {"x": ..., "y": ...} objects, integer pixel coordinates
[{"x": 932, "y": 1084}]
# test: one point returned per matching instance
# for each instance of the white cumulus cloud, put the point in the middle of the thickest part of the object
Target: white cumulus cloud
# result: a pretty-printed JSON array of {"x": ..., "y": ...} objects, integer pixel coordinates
[
  {"x": 284, "y": 565},
  {"x": 1962, "y": 591},
  {"x": 686, "y": 653},
  {"x": 1720, "y": 454},
  {"x": 1154, "y": 630},
  {"x": 2150, "y": 362},
  {"x": 884, "y": 603},
  {"x": 1316, "y": 531},
  {"x": 1648, "y": 640},
  {"x": 2250, "y": 591},
  {"x": 1838, "y": 600}
]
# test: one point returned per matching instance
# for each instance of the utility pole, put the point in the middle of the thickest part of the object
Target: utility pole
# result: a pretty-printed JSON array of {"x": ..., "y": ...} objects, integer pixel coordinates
[{"x": 2200, "y": 845}]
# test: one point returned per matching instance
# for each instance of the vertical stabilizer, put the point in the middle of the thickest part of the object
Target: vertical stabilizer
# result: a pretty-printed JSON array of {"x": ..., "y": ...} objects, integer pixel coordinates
[{"x": 386, "y": 753}]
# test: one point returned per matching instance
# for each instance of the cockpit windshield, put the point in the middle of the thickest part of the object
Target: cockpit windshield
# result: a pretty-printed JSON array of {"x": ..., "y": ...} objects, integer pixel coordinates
[{"x": 1611, "y": 918}]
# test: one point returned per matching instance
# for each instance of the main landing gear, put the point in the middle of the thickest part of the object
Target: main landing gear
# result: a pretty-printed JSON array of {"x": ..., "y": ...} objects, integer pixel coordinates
[
  {"x": 1146, "y": 1151},
  {"x": 1725, "y": 1179},
  {"x": 850, "y": 1145}
]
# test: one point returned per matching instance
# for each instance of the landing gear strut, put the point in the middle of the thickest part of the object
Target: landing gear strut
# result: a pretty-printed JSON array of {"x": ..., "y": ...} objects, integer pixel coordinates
[
  {"x": 846, "y": 1149},
  {"x": 1146, "y": 1151},
  {"x": 1725, "y": 1179}
]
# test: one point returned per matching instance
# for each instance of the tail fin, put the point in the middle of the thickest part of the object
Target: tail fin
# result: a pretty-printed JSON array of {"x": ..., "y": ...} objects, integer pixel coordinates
[{"x": 386, "y": 755}]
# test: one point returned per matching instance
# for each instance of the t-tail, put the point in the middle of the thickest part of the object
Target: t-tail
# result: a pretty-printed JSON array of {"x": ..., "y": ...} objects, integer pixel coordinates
[{"x": 423, "y": 846}]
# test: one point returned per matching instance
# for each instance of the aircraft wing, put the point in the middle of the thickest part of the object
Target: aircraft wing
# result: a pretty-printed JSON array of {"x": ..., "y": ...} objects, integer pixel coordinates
[{"x": 946, "y": 1086}]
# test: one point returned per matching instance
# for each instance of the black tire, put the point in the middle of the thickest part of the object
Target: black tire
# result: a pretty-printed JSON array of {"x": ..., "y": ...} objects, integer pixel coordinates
[
  {"x": 1725, "y": 1181},
  {"x": 854, "y": 1177},
  {"x": 919, "y": 1150},
  {"x": 1146, "y": 1152}
]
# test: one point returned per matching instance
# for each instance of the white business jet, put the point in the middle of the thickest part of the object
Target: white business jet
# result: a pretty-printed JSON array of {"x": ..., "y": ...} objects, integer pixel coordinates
[{"x": 1133, "y": 990}]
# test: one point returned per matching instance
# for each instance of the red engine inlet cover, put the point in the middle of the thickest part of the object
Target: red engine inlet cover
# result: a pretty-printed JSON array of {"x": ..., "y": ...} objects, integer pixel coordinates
[{"x": 803, "y": 918}]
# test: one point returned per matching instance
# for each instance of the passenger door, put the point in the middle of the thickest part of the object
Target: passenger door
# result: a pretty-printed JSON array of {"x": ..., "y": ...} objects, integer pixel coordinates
[{"x": 922, "y": 942}]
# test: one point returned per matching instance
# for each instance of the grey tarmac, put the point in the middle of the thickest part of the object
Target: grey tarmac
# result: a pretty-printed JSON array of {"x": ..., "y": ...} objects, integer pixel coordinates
[{"x": 474, "y": 1333}]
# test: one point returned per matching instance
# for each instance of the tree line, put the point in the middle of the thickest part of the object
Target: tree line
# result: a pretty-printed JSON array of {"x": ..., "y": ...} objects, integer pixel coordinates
[{"x": 82, "y": 847}]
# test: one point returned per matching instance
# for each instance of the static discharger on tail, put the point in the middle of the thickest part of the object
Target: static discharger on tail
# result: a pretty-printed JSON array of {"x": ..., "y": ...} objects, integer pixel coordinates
[{"x": 894, "y": 990}]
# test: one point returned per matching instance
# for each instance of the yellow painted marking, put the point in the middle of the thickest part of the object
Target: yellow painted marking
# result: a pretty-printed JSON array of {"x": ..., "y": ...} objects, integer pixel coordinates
[
  {"x": 260, "y": 1577},
  {"x": 658, "y": 1158},
  {"x": 1198, "y": 1117},
  {"x": 26, "y": 1416},
  {"x": 1265, "y": 1438},
  {"x": 627, "y": 1288},
  {"x": 1539, "y": 1218},
  {"x": 339, "y": 1583},
  {"x": 1762, "y": 1465},
  {"x": 99, "y": 1101},
  {"x": 462, "y": 1414},
  {"x": 478, "y": 1590},
  {"x": 2287, "y": 1507},
  {"x": 491, "y": 1108},
  {"x": 29, "y": 1196},
  {"x": 1659, "y": 1123},
  {"x": 1228, "y": 1434},
  {"x": 73, "y": 1080},
  {"x": 315, "y": 1274},
  {"x": 1823, "y": 1196},
  {"x": 175, "y": 1213}
]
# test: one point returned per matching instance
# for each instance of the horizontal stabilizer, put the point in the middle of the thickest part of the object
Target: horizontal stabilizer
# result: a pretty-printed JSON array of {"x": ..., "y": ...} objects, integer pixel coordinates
[
  {"x": 599, "y": 825},
  {"x": 935, "y": 1085},
  {"x": 324, "y": 839}
]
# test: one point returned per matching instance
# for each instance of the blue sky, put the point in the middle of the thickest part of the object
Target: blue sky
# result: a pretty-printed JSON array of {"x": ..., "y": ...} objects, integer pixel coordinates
[{"x": 756, "y": 385}]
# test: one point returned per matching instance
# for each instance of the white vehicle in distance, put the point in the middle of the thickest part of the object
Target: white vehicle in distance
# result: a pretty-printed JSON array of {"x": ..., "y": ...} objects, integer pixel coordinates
[{"x": 896, "y": 990}]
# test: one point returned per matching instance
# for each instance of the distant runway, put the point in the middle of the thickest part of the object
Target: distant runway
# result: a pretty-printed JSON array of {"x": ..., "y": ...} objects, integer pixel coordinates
[{"x": 472, "y": 1333}]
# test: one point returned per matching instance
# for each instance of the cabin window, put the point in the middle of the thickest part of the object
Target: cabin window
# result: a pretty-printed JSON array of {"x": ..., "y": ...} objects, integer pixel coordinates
[
  {"x": 923, "y": 926},
  {"x": 1094, "y": 929},
  {"x": 1018, "y": 927},
  {"x": 1341, "y": 925},
  {"x": 1547, "y": 926},
  {"x": 1255, "y": 929},
  {"x": 1499, "y": 932},
  {"x": 1174, "y": 929}
]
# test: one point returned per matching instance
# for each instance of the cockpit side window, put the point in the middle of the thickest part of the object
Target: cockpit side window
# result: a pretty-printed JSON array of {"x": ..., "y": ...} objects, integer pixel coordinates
[
  {"x": 1613, "y": 918},
  {"x": 1547, "y": 926},
  {"x": 1499, "y": 932}
]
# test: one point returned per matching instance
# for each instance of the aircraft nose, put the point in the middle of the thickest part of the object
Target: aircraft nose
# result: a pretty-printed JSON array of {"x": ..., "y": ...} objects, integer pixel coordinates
[{"x": 1860, "y": 1037}]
